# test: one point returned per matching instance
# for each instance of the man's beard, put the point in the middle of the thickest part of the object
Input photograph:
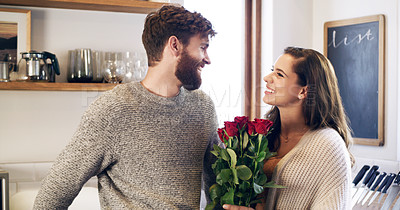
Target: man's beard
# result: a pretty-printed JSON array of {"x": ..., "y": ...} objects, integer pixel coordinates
[{"x": 186, "y": 71}]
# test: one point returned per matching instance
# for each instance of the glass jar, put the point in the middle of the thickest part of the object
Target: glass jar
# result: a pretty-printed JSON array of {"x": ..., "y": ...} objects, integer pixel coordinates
[{"x": 113, "y": 67}]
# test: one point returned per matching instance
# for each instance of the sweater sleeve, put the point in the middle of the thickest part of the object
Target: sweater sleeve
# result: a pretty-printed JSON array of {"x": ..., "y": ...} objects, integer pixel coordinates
[
  {"x": 85, "y": 156},
  {"x": 334, "y": 187},
  {"x": 209, "y": 159}
]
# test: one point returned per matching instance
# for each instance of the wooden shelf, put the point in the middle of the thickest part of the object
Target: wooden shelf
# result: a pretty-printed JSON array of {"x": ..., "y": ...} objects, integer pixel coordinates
[
  {"x": 129, "y": 6},
  {"x": 49, "y": 86}
]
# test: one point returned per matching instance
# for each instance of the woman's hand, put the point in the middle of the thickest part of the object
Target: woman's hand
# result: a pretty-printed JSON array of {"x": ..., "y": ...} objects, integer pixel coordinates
[{"x": 233, "y": 207}]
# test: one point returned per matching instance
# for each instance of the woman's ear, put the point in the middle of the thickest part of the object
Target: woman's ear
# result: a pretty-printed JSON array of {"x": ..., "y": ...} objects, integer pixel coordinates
[
  {"x": 174, "y": 45},
  {"x": 303, "y": 93}
]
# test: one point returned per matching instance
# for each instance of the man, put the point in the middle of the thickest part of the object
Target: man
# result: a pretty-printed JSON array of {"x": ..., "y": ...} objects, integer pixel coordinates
[{"x": 146, "y": 142}]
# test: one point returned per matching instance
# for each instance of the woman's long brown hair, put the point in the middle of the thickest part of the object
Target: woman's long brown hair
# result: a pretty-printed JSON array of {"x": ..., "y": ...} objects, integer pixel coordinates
[{"x": 323, "y": 104}]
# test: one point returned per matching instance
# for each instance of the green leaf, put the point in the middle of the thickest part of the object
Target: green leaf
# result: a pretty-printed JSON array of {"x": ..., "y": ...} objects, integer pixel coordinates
[
  {"x": 252, "y": 157},
  {"x": 224, "y": 155},
  {"x": 228, "y": 197},
  {"x": 261, "y": 179},
  {"x": 264, "y": 145},
  {"x": 219, "y": 165},
  {"x": 224, "y": 176},
  {"x": 244, "y": 172},
  {"x": 257, "y": 188},
  {"x": 217, "y": 148},
  {"x": 235, "y": 176},
  {"x": 235, "y": 142},
  {"x": 245, "y": 140},
  {"x": 215, "y": 191},
  {"x": 261, "y": 157},
  {"x": 244, "y": 186},
  {"x": 239, "y": 195},
  {"x": 214, "y": 165},
  {"x": 215, "y": 153},
  {"x": 269, "y": 155},
  {"x": 260, "y": 137},
  {"x": 232, "y": 154},
  {"x": 272, "y": 184},
  {"x": 251, "y": 148},
  {"x": 212, "y": 205}
]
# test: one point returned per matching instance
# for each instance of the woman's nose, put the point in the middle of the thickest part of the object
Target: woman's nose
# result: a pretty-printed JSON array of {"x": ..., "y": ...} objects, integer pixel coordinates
[{"x": 268, "y": 78}]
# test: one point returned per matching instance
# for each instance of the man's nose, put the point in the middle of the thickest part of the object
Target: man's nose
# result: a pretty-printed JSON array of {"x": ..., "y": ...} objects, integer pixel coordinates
[{"x": 207, "y": 60}]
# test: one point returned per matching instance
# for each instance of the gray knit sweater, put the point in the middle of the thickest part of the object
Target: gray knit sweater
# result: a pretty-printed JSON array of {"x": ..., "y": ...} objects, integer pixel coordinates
[{"x": 147, "y": 151}]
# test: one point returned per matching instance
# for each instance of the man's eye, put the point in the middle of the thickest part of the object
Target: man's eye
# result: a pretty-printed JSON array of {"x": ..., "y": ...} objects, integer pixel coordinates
[{"x": 279, "y": 74}]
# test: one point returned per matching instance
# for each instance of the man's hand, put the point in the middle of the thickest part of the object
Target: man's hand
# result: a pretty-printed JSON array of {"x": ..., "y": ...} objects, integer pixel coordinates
[{"x": 233, "y": 207}]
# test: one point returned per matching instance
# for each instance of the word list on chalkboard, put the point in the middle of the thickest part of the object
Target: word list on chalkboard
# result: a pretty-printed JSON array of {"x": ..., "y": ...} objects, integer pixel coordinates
[{"x": 355, "y": 48}]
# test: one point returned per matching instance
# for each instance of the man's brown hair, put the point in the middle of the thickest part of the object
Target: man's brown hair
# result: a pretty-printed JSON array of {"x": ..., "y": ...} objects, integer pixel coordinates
[{"x": 172, "y": 21}]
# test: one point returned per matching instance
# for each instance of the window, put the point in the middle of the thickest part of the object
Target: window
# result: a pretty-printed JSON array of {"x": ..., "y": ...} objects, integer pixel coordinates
[{"x": 223, "y": 79}]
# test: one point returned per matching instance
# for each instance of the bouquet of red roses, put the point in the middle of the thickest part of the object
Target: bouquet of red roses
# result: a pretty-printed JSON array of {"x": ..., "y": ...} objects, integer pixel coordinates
[{"x": 239, "y": 167}]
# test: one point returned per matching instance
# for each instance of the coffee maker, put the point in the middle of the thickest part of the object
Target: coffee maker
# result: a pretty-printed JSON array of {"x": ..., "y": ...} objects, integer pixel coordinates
[{"x": 38, "y": 67}]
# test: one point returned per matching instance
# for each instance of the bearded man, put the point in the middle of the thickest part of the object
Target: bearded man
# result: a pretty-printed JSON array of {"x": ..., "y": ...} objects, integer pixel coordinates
[{"x": 148, "y": 142}]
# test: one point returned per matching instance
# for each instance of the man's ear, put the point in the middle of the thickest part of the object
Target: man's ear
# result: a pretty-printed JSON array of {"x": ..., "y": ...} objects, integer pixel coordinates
[
  {"x": 174, "y": 45},
  {"x": 303, "y": 93}
]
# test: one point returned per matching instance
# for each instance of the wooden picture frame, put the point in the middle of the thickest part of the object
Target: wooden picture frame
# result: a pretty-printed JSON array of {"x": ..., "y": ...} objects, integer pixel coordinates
[
  {"x": 356, "y": 49},
  {"x": 20, "y": 18}
]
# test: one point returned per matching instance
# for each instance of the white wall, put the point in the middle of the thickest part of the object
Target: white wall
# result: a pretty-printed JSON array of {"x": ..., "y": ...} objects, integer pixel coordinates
[
  {"x": 284, "y": 23},
  {"x": 223, "y": 79},
  {"x": 291, "y": 24},
  {"x": 36, "y": 125},
  {"x": 301, "y": 23},
  {"x": 329, "y": 10}
]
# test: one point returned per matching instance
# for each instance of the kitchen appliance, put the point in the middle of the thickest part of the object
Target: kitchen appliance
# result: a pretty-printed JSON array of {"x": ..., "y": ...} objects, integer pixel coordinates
[
  {"x": 35, "y": 66},
  {"x": 5, "y": 69},
  {"x": 4, "y": 193}
]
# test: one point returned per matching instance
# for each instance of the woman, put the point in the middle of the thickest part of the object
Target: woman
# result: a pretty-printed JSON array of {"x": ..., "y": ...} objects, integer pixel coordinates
[{"x": 310, "y": 135}]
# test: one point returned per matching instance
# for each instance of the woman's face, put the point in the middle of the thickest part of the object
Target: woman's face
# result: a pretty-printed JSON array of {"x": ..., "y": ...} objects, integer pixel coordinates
[{"x": 282, "y": 86}]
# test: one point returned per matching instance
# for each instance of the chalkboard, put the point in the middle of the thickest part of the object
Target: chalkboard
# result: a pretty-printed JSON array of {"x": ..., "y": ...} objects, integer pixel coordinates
[{"x": 355, "y": 48}]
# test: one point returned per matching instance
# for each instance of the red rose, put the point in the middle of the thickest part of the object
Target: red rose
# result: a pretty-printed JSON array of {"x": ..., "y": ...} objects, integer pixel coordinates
[
  {"x": 221, "y": 134},
  {"x": 262, "y": 126},
  {"x": 231, "y": 128},
  {"x": 250, "y": 128},
  {"x": 241, "y": 121}
]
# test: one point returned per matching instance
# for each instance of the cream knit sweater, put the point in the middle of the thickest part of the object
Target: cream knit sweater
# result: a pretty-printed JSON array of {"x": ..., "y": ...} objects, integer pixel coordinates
[
  {"x": 316, "y": 172},
  {"x": 147, "y": 152}
]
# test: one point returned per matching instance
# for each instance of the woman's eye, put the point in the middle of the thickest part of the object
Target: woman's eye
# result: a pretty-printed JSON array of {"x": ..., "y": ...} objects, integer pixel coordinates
[{"x": 277, "y": 73}]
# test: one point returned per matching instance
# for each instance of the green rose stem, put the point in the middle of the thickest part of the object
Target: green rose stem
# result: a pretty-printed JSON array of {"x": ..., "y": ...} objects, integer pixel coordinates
[
  {"x": 241, "y": 144},
  {"x": 260, "y": 136}
]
